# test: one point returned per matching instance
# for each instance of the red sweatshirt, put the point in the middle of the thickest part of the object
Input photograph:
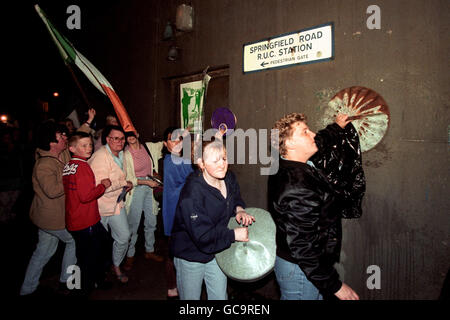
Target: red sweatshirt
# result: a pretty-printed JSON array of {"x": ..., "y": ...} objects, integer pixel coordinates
[{"x": 81, "y": 194}]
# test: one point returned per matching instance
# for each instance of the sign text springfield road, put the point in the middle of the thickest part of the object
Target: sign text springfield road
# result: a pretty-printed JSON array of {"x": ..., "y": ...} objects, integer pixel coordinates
[{"x": 305, "y": 46}]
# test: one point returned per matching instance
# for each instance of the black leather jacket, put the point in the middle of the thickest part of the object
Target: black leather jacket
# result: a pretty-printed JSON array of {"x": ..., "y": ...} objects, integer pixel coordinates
[
  {"x": 339, "y": 158},
  {"x": 309, "y": 233},
  {"x": 307, "y": 204}
]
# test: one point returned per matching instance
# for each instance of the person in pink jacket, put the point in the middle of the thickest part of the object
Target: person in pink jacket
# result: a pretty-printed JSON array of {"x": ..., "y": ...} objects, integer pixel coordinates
[{"x": 108, "y": 163}]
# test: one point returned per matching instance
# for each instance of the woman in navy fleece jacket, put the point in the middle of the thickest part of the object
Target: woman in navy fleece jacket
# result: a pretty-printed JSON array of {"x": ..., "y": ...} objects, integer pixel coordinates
[{"x": 209, "y": 198}]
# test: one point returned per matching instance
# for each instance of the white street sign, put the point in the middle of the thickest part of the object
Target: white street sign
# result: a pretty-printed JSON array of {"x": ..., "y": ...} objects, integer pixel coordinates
[{"x": 305, "y": 46}]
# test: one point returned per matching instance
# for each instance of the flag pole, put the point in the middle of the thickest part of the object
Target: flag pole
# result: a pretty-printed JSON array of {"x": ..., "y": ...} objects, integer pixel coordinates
[
  {"x": 83, "y": 94},
  {"x": 71, "y": 55}
]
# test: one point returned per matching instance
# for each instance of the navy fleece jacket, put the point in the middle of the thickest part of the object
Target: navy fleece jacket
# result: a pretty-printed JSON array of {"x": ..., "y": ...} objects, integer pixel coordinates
[{"x": 201, "y": 218}]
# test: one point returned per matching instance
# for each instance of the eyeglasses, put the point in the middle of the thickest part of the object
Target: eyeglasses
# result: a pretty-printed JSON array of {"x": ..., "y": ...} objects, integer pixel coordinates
[{"x": 117, "y": 139}]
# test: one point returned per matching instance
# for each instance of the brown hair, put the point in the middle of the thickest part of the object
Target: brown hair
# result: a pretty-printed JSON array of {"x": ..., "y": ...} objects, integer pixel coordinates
[
  {"x": 73, "y": 140},
  {"x": 284, "y": 127}
]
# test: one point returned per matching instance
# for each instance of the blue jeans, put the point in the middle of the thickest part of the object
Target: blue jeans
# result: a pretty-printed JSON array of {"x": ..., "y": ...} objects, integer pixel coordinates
[
  {"x": 293, "y": 282},
  {"x": 120, "y": 233},
  {"x": 190, "y": 276},
  {"x": 142, "y": 201},
  {"x": 45, "y": 249}
]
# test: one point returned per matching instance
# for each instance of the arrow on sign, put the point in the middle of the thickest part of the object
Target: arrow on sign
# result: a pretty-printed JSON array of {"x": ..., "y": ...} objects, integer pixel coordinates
[{"x": 264, "y": 64}]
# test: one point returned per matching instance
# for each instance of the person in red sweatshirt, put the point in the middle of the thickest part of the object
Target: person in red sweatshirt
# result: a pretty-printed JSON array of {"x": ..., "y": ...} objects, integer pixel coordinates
[{"x": 82, "y": 215}]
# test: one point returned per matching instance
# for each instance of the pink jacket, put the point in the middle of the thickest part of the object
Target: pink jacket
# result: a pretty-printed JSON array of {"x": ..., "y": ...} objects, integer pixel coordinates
[{"x": 103, "y": 166}]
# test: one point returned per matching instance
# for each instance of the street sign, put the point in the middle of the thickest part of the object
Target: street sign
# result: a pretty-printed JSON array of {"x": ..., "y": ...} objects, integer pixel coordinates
[{"x": 299, "y": 47}]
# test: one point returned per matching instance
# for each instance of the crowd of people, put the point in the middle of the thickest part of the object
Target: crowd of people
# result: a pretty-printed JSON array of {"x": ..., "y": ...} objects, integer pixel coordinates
[{"x": 91, "y": 190}]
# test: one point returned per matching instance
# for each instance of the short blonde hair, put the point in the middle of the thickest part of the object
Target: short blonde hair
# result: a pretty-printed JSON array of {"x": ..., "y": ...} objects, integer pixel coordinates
[
  {"x": 200, "y": 148},
  {"x": 285, "y": 128}
]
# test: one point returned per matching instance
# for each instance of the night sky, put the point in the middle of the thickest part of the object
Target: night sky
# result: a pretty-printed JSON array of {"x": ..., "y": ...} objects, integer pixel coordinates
[{"x": 34, "y": 67}]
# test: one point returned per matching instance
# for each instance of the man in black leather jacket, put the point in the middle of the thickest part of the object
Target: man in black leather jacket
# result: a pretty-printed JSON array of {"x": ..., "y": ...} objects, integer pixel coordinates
[{"x": 306, "y": 212}]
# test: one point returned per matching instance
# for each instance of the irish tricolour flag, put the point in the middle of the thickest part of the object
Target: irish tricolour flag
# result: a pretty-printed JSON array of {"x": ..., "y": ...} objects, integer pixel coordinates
[{"x": 72, "y": 56}]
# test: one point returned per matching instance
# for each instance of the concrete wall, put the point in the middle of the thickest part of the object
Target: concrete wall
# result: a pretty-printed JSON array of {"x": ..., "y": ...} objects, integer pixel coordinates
[{"x": 405, "y": 225}]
